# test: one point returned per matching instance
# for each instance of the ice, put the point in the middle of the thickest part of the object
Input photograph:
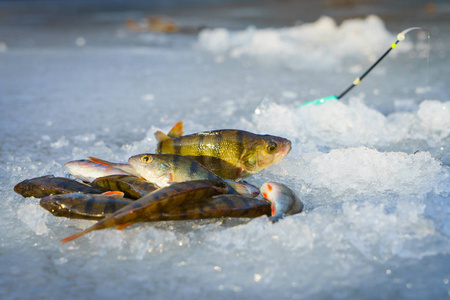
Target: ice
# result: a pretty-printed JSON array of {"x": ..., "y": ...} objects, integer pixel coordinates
[
  {"x": 372, "y": 169},
  {"x": 33, "y": 216},
  {"x": 355, "y": 123},
  {"x": 316, "y": 45}
]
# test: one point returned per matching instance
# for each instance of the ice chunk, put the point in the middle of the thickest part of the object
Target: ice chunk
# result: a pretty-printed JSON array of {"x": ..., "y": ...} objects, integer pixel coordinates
[
  {"x": 316, "y": 45},
  {"x": 34, "y": 216},
  {"x": 352, "y": 124},
  {"x": 347, "y": 173}
]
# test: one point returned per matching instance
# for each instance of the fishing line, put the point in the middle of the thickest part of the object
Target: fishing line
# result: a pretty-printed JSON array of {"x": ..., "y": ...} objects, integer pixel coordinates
[{"x": 400, "y": 37}]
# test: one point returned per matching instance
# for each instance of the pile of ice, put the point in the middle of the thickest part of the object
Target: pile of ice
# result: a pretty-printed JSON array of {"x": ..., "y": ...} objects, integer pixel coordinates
[
  {"x": 307, "y": 46},
  {"x": 335, "y": 123}
]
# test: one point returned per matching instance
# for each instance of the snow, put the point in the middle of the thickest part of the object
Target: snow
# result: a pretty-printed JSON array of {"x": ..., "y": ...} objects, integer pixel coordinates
[{"x": 373, "y": 169}]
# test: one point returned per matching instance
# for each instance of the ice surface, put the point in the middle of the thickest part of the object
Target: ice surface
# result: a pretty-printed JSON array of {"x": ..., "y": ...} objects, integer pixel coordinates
[{"x": 372, "y": 169}]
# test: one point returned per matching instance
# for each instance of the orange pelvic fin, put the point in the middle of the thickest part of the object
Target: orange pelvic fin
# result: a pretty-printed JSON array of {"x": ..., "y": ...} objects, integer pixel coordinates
[
  {"x": 176, "y": 131},
  {"x": 101, "y": 161},
  {"x": 118, "y": 194},
  {"x": 123, "y": 226}
]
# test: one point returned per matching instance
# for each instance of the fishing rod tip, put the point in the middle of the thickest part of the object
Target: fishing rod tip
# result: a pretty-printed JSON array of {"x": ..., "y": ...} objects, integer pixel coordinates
[{"x": 401, "y": 35}]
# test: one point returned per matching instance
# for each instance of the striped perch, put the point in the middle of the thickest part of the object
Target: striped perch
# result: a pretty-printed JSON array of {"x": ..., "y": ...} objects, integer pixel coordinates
[
  {"x": 231, "y": 154},
  {"x": 44, "y": 186},
  {"x": 83, "y": 206},
  {"x": 157, "y": 202}
]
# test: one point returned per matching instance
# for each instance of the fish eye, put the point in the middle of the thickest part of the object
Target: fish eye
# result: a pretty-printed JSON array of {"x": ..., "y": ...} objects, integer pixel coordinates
[
  {"x": 146, "y": 159},
  {"x": 272, "y": 146}
]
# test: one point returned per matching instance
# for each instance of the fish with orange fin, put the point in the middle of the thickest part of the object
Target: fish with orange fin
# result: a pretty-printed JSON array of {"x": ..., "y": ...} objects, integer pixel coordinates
[
  {"x": 196, "y": 200},
  {"x": 164, "y": 169},
  {"x": 88, "y": 171},
  {"x": 84, "y": 206},
  {"x": 231, "y": 154},
  {"x": 278, "y": 202},
  {"x": 133, "y": 187},
  {"x": 155, "y": 202},
  {"x": 167, "y": 168}
]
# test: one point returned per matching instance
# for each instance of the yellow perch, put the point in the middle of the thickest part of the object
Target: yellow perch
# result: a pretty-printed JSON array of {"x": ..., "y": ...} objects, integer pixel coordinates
[
  {"x": 231, "y": 154},
  {"x": 44, "y": 186},
  {"x": 155, "y": 203},
  {"x": 163, "y": 169},
  {"x": 83, "y": 206}
]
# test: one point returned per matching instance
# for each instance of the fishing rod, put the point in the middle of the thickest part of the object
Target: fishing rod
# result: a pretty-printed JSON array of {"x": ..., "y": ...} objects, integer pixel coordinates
[{"x": 400, "y": 37}]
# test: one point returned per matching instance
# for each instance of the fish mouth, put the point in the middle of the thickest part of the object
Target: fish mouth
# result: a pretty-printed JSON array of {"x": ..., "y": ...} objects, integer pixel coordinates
[
  {"x": 285, "y": 149},
  {"x": 134, "y": 160}
]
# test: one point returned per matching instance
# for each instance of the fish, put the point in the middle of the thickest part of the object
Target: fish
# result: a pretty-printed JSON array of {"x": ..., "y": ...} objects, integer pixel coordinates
[
  {"x": 219, "y": 206},
  {"x": 88, "y": 171},
  {"x": 83, "y": 206},
  {"x": 133, "y": 187},
  {"x": 155, "y": 202},
  {"x": 44, "y": 186},
  {"x": 163, "y": 169},
  {"x": 284, "y": 201},
  {"x": 230, "y": 154},
  {"x": 278, "y": 201}
]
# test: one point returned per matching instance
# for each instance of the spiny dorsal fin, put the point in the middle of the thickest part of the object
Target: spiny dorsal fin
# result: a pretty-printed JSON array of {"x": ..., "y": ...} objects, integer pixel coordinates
[
  {"x": 176, "y": 131},
  {"x": 161, "y": 136},
  {"x": 100, "y": 161}
]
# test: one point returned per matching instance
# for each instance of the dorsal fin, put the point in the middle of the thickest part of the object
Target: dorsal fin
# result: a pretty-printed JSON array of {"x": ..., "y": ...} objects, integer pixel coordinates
[
  {"x": 100, "y": 161},
  {"x": 161, "y": 136},
  {"x": 118, "y": 194},
  {"x": 176, "y": 131}
]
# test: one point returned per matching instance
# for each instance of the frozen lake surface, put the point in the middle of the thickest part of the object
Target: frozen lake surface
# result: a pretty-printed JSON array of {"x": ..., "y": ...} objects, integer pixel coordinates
[{"x": 373, "y": 169}]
